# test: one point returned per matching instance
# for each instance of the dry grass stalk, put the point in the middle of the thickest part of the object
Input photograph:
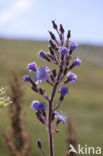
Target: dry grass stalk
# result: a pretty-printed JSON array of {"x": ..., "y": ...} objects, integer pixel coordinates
[
  {"x": 18, "y": 140},
  {"x": 71, "y": 138}
]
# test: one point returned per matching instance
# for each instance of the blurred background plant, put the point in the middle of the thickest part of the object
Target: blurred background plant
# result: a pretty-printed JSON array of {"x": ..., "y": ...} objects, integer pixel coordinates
[
  {"x": 4, "y": 99},
  {"x": 71, "y": 138},
  {"x": 17, "y": 139}
]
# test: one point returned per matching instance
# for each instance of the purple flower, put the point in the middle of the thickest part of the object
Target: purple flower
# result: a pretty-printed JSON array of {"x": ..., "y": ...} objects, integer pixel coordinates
[
  {"x": 26, "y": 78},
  {"x": 44, "y": 55},
  {"x": 38, "y": 105},
  {"x": 41, "y": 53},
  {"x": 32, "y": 66},
  {"x": 41, "y": 74},
  {"x": 71, "y": 77},
  {"x": 77, "y": 61},
  {"x": 63, "y": 50},
  {"x": 73, "y": 46},
  {"x": 63, "y": 90},
  {"x": 60, "y": 116}
]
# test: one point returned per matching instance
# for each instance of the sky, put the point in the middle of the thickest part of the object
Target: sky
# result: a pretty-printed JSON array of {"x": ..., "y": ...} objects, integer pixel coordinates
[{"x": 31, "y": 19}]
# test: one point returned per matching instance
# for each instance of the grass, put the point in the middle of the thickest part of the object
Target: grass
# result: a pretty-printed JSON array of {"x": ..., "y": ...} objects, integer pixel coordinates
[{"x": 85, "y": 103}]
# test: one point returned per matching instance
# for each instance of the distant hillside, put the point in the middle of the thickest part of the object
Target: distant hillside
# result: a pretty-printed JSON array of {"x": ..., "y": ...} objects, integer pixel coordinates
[
  {"x": 90, "y": 53},
  {"x": 93, "y": 54}
]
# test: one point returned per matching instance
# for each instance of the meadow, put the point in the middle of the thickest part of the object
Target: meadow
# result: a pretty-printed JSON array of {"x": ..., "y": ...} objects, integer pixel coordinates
[{"x": 84, "y": 104}]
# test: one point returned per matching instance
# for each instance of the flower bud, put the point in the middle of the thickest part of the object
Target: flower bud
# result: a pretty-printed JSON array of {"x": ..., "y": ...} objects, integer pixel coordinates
[
  {"x": 52, "y": 77},
  {"x": 43, "y": 55},
  {"x": 57, "y": 130},
  {"x": 65, "y": 70},
  {"x": 54, "y": 25},
  {"x": 52, "y": 44},
  {"x": 68, "y": 34},
  {"x": 53, "y": 116},
  {"x": 39, "y": 117},
  {"x": 39, "y": 144},
  {"x": 43, "y": 112},
  {"x": 52, "y": 35},
  {"x": 61, "y": 97},
  {"x": 50, "y": 56},
  {"x": 51, "y": 50},
  {"x": 41, "y": 91},
  {"x": 34, "y": 88},
  {"x": 61, "y": 28},
  {"x": 26, "y": 78}
]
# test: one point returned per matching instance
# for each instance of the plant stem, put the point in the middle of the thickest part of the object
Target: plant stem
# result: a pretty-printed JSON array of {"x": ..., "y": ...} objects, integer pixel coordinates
[
  {"x": 57, "y": 106},
  {"x": 51, "y": 152},
  {"x": 43, "y": 153},
  {"x": 50, "y": 121}
]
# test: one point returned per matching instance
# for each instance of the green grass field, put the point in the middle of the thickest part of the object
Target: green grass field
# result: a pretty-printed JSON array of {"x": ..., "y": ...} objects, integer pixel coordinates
[{"x": 85, "y": 103}]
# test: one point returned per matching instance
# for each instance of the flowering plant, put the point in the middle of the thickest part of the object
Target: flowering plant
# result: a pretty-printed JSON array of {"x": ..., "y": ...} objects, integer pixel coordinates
[
  {"x": 60, "y": 55},
  {"x": 4, "y": 98}
]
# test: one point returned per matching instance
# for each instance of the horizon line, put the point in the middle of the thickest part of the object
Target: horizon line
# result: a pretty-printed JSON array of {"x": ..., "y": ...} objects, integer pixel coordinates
[{"x": 44, "y": 39}]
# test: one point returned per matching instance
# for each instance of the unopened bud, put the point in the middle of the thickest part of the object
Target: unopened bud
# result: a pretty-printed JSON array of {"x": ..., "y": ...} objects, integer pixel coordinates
[
  {"x": 52, "y": 35},
  {"x": 65, "y": 70},
  {"x": 43, "y": 55},
  {"x": 34, "y": 88},
  {"x": 41, "y": 91},
  {"x": 61, "y": 97},
  {"x": 50, "y": 56},
  {"x": 43, "y": 112},
  {"x": 68, "y": 34},
  {"x": 57, "y": 130},
  {"x": 71, "y": 66},
  {"x": 58, "y": 121},
  {"x": 52, "y": 77},
  {"x": 52, "y": 44},
  {"x": 51, "y": 50},
  {"x": 54, "y": 25},
  {"x": 53, "y": 116},
  {"x": 61, "y": 28},
  {"x": 39, "y": 144},
  {"x": 39, "y": 117}
]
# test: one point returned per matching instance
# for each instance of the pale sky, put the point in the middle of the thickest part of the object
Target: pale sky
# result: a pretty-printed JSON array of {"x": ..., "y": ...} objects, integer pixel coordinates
[{"x": 31, "y": 19}]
